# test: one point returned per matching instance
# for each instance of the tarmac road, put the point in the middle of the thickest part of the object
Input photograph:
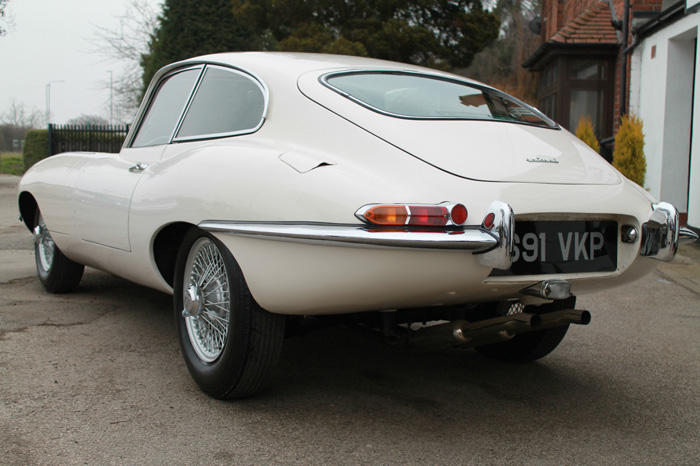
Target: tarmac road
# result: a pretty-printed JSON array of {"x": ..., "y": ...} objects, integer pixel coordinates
[{"x": 96, "y": 378}]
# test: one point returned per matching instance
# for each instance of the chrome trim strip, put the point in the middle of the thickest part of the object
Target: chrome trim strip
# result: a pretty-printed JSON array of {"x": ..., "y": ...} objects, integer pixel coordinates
[
  {"x": 188, "y": 104},
  {"x": 469, "y": 238},
  {"x": 687, "y": 236}
]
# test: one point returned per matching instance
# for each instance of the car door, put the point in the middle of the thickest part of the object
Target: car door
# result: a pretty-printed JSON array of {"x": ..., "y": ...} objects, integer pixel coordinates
[{"x": 106, "y": 182}]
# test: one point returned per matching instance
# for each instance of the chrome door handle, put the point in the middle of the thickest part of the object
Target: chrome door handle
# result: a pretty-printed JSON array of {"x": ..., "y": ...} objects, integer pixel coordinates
[{"x": 139, "y": 167}]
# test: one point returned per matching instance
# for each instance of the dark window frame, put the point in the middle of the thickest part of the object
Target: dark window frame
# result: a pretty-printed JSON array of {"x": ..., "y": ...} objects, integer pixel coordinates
[{"x": 564, "y": 85}]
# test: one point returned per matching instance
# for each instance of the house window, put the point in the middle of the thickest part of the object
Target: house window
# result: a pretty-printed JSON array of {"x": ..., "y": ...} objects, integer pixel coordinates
[
  {"x": 548, "y": 87},
  {"x": 589, "y": 93},
  {"x": 588, "y": 69},
  {"x": 587, "y": 103},
  {"x": 576, "y": 85},
  {"x": 549, "y": 75},
  {"x": 548, "y": 106}
]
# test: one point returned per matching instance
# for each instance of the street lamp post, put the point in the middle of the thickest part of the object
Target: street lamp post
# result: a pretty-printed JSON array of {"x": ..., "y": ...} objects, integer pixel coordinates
[
  {"x": 111, "y": 97},
  {"x": 48, "y": 100}
]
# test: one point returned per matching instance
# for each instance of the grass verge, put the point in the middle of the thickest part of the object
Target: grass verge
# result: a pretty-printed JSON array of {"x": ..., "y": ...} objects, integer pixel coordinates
[{"x": 11, "y": 163}]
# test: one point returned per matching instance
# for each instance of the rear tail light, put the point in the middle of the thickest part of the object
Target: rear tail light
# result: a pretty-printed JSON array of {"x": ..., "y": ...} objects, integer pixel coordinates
[
  {"x": 428, "y": 215},
  {"x": 445, "y": 214},
  {"x": 459, "y": 214}
]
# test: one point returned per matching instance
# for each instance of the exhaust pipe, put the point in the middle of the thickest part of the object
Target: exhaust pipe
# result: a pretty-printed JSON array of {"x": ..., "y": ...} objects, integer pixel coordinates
[
  {"x": 464, "y": 334},
  {"x": 565, "y": 317}
]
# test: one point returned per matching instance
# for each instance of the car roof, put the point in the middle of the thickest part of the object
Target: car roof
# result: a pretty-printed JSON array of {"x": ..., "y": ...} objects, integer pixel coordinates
[{"x": 290, "y": 66}]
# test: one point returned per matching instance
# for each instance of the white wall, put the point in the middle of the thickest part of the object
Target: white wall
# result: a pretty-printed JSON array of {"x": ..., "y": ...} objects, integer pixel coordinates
[{"x": 660, "y": 93}]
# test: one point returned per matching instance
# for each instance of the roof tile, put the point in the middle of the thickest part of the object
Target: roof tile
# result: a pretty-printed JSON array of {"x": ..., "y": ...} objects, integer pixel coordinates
[{"x": 591, "y": 26}]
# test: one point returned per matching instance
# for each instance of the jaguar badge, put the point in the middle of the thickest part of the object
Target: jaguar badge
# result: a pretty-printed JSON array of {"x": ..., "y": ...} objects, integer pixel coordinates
[{"x": 540, "y": 159}]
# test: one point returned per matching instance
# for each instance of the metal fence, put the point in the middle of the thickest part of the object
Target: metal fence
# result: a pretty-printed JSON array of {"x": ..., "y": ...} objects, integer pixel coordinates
[{"x": 86, "y": 138}]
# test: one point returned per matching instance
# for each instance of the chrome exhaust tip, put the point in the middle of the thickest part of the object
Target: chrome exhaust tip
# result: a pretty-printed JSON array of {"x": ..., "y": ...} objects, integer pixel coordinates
[{"x": 549, "y": 289}]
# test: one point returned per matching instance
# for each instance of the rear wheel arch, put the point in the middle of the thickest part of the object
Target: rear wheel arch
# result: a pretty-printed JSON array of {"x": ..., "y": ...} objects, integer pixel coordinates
[{"x": 166, "y": 246}]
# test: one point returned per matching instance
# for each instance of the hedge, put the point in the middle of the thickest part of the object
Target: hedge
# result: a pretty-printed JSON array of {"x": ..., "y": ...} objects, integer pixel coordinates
[
  {"x": 36, "y": 147},
  {"x": 71, "y": 138}
]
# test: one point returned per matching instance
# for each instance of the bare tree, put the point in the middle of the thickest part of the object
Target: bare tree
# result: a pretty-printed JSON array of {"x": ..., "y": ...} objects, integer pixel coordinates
[
  {"x": 127, "y": 44},
  {"x": 18, "y": 115},
  {"x": 88, "y": 120},
  {"x": 5, "y": 20},
  {"x": 500, "y": 63}
]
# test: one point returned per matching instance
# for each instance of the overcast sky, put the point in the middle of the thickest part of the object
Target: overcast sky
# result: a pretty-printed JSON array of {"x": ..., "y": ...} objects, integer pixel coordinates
[{"x": 53, "y": 40}]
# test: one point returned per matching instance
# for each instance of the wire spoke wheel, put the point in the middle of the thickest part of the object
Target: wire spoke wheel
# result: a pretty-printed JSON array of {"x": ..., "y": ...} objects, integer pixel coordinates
[
  {"x": 44, "y": 244},
  {"x": 206, "y": 298},
  {"x": 57, "y": 273}
]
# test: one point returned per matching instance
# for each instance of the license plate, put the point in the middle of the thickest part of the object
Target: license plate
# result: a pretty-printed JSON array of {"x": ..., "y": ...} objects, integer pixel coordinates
[{"x": 563, "y": 247}]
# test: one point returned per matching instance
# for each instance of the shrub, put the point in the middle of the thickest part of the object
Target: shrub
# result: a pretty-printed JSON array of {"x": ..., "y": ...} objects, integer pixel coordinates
[
  {"x": 586, "y": 133},
  {"x": 36, "y": 147},
  {"x": 628, "y": 156}
]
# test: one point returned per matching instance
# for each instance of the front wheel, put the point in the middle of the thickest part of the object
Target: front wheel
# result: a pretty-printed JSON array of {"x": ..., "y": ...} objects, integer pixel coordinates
[
  {"x": 57, "y": 273},
  {"x": 528, "y": 347},
  {"x": 231, "y": 346}
]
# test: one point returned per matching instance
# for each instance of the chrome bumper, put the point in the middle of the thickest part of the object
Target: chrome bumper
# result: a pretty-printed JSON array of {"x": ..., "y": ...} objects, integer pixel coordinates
[
  {"x": 662, "y": 234},
  {"x": 493, "y": 243}
]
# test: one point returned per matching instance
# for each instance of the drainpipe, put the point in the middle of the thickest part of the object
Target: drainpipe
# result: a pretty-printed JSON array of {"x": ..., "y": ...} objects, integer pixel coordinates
[{"x": 625, "y": 52}]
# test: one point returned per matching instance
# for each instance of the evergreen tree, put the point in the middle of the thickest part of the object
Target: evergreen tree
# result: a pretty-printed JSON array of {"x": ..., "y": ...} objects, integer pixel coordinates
[
  {"x": 586, "y": 133},
  {"x": 191, "y": 28},
  {"x": 437, "y": 33},
  {"x": 628, "y": 156}
]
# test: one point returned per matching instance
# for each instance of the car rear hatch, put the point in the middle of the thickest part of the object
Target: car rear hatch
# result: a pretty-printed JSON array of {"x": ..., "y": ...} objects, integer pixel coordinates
[{"x": 484, "y": 150}]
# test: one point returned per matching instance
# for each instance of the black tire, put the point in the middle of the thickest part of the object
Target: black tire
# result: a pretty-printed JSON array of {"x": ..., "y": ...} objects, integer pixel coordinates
[
  {"x": 57, "y": 273},
  {"x": 231, "y": 346},
  {"x": 528, "y": 347}
]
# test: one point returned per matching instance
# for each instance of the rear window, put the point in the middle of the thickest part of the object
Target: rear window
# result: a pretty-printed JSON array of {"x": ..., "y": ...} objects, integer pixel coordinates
[{"x": 410, "y": 95}]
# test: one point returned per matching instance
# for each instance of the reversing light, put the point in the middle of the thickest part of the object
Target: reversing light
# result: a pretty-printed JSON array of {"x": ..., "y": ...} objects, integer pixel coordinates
[
  {"x": 424, "y": 215},
  {"x": 629, "y": 234}
]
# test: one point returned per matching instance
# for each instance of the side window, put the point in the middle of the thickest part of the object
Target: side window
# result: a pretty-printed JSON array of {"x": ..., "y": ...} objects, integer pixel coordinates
[
  {"x": 226, "y": 102},
  {"x": 166, "y": 108}
]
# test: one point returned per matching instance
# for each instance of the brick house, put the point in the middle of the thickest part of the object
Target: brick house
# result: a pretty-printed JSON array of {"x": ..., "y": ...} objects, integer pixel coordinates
[{"x": 593, "y": 62}]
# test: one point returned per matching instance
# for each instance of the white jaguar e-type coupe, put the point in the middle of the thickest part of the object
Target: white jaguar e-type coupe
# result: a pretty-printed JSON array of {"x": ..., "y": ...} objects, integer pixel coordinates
[{"x": 273, "y": 192}]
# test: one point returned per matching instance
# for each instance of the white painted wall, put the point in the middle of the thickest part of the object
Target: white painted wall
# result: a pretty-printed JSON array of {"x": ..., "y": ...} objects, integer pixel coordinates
[
  {"x": 678, "y": 119},
  {"x": 660, "y": 93}
]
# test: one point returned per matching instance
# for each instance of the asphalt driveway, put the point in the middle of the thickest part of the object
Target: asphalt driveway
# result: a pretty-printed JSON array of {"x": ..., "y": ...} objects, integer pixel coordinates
[{"x": 95, "y": 377}]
